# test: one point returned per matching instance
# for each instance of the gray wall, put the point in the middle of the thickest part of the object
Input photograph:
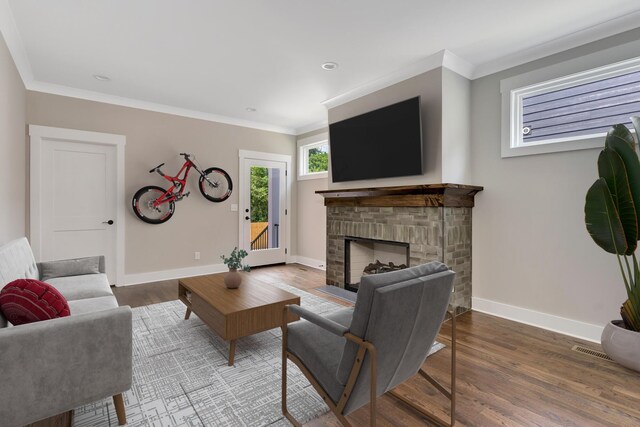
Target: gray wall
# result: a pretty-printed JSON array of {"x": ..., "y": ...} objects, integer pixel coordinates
[
  {"x": 530, "y": 246},
  {"x": 13, "y": 149},
  {"x": 312, "y": 215},
  {"x": 456, "y": 118},
  {"x": 153, "y": 138},
  {"x": 429, "y": 87}
]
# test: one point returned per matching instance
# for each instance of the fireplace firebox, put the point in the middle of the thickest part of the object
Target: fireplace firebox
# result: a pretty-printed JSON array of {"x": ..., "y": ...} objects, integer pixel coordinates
[{"x": 364, "y": 256}]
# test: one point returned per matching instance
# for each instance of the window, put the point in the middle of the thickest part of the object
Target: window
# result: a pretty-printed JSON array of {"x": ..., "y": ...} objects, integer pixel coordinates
[
  {"x": 573, "y": 112},
  {"x": 313, "y": 157}
]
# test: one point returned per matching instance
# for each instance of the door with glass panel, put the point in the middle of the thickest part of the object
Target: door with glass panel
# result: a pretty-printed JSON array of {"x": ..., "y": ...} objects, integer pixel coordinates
[{"x": 263, "y": 204}]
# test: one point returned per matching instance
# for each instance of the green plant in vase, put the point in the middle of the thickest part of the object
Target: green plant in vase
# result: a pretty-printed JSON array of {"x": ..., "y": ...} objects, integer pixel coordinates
[
  {"x": 612, "y": 216},
  {"x": 234, "y": 261}
]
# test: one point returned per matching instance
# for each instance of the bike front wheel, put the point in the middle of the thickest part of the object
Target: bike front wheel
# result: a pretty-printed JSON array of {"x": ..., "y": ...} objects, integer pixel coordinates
[
  {"x": 143, "y": 205},
  {"x": 215, "y": 185}
]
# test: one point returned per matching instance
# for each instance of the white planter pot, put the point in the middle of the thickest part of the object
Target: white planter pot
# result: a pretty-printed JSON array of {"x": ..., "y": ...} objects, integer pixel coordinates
[{"x": 622, "y": 345}]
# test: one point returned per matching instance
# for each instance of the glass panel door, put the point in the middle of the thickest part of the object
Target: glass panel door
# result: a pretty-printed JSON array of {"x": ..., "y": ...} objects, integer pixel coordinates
[{"x": 264, "y": 210}]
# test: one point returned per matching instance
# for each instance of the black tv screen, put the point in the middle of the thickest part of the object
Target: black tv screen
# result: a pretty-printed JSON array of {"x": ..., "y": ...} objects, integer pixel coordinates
[{"x": 379, "y": 144}]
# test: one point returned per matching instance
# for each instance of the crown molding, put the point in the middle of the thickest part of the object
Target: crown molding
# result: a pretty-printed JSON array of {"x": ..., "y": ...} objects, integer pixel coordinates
[
  {"x": 312, "y": 126},
  {"x": 578, "y": 38},
  {"x": 429, "y": 63},
  {"x": 14, "y": 42},
  {"x": 444, "y": 58},
  {"x": 50, "y": 88},
  {"x": 458, "y": 64}
]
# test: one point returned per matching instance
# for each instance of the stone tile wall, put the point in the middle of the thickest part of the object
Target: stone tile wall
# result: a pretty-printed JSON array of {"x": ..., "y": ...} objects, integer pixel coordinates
[{"x": 433, "y": 233}]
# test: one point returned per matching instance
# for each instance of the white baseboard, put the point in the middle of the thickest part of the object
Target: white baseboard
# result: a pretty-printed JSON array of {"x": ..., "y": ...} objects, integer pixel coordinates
[
  {"x": 573, "y": 328},
  {"x": 156, "y": 276},
  {"x": 309, "y": 262}
]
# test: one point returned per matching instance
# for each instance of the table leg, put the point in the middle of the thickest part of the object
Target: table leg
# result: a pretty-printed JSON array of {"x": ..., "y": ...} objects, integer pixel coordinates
[
  {"x": 232, "y": 351},
  {"x": 187, "y": 314}
]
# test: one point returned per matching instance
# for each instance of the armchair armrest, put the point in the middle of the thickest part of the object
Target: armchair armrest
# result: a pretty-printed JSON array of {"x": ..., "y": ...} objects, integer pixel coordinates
[
  {"x": 53, "y": 366},
  {"x": 71, "y": 267},
  {"x": 326, "y": 324}
]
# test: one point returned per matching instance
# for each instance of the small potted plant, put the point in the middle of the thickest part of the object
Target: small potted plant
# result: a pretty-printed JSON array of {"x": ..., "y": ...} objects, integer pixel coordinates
[
  {"x": 612, "y": 216},
  {"x": 233, "y": 278}
]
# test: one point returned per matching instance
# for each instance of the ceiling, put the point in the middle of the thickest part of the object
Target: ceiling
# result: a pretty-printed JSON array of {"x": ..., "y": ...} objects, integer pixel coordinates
[{"x": 216, "y": 58}]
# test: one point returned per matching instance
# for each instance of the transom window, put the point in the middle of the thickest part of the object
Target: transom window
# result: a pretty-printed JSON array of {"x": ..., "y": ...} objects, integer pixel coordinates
[
  {"x": 313, "y": 157},
  {"x": 573, "y": 112}
]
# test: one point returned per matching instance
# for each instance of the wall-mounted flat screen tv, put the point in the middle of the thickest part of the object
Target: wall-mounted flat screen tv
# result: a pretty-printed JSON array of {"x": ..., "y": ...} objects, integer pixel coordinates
[{"x": 379, "y": 144}]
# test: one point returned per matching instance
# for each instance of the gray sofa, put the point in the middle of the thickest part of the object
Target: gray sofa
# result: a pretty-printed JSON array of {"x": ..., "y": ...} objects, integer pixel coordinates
[{"x": 53, "y": 366}]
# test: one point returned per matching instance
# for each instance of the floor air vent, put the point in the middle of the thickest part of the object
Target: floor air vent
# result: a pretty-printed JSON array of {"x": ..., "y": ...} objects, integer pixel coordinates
[{"x": 590, "y": 352}]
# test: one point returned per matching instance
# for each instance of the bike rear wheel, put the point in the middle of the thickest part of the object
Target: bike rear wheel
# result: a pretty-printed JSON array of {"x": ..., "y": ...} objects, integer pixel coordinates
[
  {"x": 143, "y": 201},
  {"x": 215, "y": 185}
]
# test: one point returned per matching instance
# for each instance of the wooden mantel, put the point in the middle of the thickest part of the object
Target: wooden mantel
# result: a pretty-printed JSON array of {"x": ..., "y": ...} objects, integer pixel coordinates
[{"x": 436, "y": 195}]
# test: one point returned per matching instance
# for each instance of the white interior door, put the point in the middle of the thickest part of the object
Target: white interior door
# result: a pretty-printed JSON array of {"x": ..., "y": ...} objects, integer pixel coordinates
[
  {"x": 76, "y": 211},
  {"x": 263, "y": 207}
]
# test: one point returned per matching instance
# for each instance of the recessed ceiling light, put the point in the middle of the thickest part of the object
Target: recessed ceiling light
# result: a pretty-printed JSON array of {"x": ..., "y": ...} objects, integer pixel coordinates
[
  {"x": 101, "y": 78},
  {"x": 329, "y": 66},
  {"x": 250, "y": 109}
]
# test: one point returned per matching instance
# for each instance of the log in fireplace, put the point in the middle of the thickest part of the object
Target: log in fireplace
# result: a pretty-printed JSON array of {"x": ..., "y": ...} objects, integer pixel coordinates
[{"x": 364, "y": 256}]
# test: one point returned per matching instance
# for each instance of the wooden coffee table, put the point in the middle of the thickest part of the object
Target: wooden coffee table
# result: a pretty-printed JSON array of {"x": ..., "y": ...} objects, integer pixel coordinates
[{"x": 254, "y": 307}]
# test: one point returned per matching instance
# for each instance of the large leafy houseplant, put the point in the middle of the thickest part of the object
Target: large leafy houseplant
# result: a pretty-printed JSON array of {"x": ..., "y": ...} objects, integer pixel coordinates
[{"x": 612, "y": 212}]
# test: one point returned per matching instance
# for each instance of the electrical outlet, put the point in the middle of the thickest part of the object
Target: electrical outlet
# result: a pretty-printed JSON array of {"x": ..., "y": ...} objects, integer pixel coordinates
[
  {"x": 196, "y": 255},
  {"x": 234, "y": 208}
]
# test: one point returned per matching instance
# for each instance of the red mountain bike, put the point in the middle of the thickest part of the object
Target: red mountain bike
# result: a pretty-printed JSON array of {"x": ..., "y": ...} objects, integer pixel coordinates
[{"x": 156, "y": 205}]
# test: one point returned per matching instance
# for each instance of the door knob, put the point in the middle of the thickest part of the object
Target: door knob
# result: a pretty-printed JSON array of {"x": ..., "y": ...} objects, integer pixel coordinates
[
  {"x": 246, "y": 210},
  {"x": 110, "y": 222},
  {"x": 247, "y": 218}
]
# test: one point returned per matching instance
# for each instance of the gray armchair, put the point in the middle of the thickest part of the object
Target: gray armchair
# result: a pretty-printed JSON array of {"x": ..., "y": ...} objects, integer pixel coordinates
[{"x": 353, "y": 356}]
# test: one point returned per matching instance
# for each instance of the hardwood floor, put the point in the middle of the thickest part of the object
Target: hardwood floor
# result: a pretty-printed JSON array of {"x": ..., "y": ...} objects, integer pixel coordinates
[{"x": 509, "y": 374}]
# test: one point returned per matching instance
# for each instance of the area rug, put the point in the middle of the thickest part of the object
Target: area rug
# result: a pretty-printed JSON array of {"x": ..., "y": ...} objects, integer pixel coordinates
[
  {"x": 339, "y": 293},
  {"x": 181, "y": 376}
]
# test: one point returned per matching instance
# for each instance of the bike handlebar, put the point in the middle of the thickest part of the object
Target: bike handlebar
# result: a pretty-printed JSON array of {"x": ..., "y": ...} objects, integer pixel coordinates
[{"x": 185, "y": 155}]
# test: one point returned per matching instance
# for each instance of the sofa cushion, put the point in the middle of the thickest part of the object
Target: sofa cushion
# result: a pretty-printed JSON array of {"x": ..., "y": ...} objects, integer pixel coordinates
[
  {"x": 81, "y": 287},
  {"x": 91, "y": 305},
  {"x": 320, "y": 350},
  {"x": 17, "y": 262},
  {"x": 69, "y": 267},
  {"x": 29, "y": 300}
]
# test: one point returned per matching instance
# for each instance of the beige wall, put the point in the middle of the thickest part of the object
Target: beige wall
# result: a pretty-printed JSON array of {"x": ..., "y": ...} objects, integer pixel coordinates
[
  {"x": 13, "y": 149},
  {"x": 153, "y": 138},
  {"x": 429, "y": 87},
  {"x": 312, "y": 217},
  {"x": 530, "y": 246}
]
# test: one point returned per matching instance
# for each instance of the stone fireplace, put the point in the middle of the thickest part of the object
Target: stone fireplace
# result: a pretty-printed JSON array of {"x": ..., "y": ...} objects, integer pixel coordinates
[{"x": 433, "y": 223}]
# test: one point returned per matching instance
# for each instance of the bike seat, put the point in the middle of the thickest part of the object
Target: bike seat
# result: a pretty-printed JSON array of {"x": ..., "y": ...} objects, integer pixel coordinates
[{"x": 156, "y": 168}]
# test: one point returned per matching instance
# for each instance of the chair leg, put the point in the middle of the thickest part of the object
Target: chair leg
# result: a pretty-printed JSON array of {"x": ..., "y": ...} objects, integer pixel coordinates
[
  {"x": 451, "y": 395},
  {"x": 325, "y": 397},
  {"x": 285, "y": 411},
  {"x": 453, "y": 366},
  {"x": 118, "y": 402},
  {"x": 374, "y": 376}
]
